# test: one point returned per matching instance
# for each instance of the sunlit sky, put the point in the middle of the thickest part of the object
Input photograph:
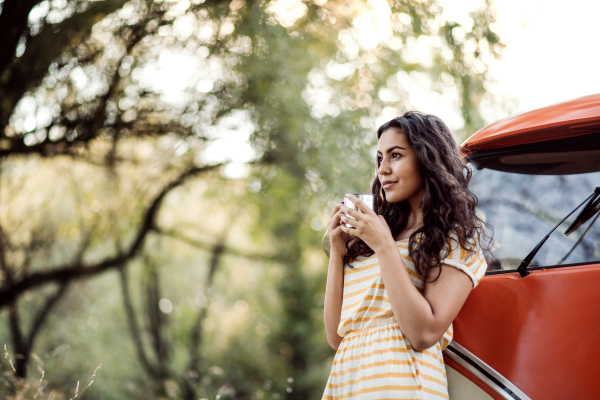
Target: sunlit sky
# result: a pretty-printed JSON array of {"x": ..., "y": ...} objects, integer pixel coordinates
[
  {"x": 551, "y": 52},
  {"x": 551, "y": 56}
]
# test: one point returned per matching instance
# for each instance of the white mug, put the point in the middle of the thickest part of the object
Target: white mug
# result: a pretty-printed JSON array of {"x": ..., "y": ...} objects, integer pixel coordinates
[{"x": 367, "y": 198}]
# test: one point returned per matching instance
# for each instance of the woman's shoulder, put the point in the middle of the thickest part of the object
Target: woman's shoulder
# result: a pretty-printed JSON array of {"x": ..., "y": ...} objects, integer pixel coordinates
[
  {"x": 465, "y": 254},
  {"x": 463, "y": 241}
]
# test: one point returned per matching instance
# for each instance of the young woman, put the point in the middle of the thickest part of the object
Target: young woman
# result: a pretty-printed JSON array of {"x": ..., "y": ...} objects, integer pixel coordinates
[{"x": 398, "y": 278}]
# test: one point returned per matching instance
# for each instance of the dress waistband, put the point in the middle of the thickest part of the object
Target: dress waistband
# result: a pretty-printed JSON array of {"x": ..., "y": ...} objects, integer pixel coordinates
[{"x": 388, "y": 321}]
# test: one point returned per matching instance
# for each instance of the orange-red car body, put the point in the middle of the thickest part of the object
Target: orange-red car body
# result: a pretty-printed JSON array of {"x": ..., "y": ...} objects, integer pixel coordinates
[{"x": 539, "y": 333}]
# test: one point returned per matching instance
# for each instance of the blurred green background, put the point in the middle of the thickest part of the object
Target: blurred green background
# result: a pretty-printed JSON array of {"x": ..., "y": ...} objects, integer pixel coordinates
[{"x": 167, "y": 169}]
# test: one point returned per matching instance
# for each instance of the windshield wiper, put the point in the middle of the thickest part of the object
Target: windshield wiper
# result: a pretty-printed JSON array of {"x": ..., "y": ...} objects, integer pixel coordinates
[
  {"x": 591, "y": 208},
  {"x": 580, "y": 238}
]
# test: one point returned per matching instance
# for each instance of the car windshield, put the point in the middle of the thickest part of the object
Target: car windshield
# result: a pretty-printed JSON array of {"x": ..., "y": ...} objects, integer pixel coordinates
[{"x": 522, "y": 209}]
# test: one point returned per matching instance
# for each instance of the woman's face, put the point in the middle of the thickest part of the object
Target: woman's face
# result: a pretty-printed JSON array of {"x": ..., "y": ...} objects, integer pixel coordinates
[{"x": 398, "y": 168}]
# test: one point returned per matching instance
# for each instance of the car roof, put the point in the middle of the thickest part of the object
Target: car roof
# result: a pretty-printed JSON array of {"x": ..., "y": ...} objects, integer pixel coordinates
[{"x": 576, "y": 117}]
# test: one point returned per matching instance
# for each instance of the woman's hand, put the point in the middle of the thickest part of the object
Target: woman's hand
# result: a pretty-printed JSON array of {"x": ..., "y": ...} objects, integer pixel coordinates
[
  {"x": 337, "y": 237},
  {"x": 370, "y": 227}
]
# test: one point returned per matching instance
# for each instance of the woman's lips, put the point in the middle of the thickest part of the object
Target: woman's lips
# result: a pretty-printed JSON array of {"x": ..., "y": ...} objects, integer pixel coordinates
[{"x": 387, "y": 185}]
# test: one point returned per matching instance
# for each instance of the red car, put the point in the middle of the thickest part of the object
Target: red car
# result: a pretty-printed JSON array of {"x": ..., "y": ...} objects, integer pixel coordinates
[{"x": 531, "y": 329}]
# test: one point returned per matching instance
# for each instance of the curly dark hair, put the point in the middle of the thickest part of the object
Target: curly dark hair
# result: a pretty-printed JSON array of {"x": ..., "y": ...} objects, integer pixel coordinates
[{"x": 448, "y": 205}]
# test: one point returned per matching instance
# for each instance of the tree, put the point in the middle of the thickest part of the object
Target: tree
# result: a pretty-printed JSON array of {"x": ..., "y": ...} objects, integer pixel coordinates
[{"x": 304, "y": 82}]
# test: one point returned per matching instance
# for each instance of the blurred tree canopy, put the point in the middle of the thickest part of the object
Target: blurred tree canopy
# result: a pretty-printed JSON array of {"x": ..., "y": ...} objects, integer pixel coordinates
[{"x": 185, "y": 155}]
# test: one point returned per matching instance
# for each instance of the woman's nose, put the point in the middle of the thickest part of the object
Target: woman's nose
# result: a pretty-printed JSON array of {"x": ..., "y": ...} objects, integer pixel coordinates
[{"x": 384, "y": 167}]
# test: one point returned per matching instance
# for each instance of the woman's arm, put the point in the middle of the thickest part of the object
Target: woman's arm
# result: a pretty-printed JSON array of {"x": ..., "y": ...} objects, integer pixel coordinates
[
  {"x": 423, "y": 319},
  {"x": 334, "y": 290},
  {"x": 333, "y": 300}
]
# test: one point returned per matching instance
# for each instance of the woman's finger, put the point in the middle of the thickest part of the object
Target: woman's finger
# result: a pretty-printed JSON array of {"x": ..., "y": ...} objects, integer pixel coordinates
[
  {"x": 361, "y": 206},
  {"x": 353, "y": 222},
  {"x": 349, "y": 231},
  {"x": 335, "y": 231},
  {"x": 353, "y": 213},
  {"x": 336, "y": 208},
  {"x": 335, "y": 218},
  {"x": 337, "y": 211},
  {"x": 333, "y": 223}
]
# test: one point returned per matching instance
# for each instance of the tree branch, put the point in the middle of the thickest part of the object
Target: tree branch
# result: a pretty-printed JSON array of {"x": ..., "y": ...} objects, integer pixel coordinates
[
  {"x": 156, "y": 320},
  {"x": 134, "y": 329},
  {"x": 5, "y": 273},
  {"x": 210, "y": 246},
  {"x": 18, "y": 339},
  {"x": 42, "y": 49},
  {"x": 80, "y": 270},
  {"x": 13, "y": 23},
  {"x": 196, "y": 333},
  {"x": 42, "y": 314}
]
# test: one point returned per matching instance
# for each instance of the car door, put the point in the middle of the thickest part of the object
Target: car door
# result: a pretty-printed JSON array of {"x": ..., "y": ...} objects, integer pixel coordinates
[{"x": 533, "y": 337}]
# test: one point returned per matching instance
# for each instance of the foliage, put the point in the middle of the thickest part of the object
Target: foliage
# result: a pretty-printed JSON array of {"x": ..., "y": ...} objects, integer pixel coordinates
[
  {"x": 20, "y": 388},
  {"x": 114, "y": 121}
]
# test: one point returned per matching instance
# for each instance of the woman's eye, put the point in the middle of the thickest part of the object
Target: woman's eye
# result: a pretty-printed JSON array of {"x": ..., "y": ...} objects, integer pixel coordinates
[
  {"x": 379, "y": 159},
  {"x": 396, "y": 155}
]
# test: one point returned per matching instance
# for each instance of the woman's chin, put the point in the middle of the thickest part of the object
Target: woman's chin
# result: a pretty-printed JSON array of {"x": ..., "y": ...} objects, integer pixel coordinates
[{"x": 390, "y": 198}]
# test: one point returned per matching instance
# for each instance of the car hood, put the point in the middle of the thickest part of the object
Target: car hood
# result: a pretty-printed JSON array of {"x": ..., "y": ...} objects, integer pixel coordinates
[
  {"x": 571, "y": 118},
  {"x": 559, "y": 139}
]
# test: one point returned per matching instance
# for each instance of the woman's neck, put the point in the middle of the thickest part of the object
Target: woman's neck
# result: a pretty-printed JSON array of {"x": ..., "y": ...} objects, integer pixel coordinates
[
  {"x": 414, "y": 222},
  {"x": 415, "y": 216}
]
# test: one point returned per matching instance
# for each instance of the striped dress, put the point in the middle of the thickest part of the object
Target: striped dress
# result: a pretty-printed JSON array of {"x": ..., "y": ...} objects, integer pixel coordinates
[{"x": 375, "y": 360}]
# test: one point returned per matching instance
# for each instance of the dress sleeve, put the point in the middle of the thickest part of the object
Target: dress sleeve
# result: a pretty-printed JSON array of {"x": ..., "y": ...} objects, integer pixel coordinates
[{"x": 466, "y": 257}]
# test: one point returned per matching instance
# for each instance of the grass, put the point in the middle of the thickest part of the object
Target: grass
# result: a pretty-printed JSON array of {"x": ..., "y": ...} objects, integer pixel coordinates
[{"x": 16, "y": 388}]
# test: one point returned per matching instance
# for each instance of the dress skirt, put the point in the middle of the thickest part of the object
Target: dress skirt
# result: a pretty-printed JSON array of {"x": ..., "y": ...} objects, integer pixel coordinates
[{"x": 379, "y": 363}]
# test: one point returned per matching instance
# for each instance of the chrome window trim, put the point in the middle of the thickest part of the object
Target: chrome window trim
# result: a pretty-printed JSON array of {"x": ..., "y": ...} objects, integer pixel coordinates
[
  {"x": 540, "y": 267},
  {"x": 484, "y": 372}
]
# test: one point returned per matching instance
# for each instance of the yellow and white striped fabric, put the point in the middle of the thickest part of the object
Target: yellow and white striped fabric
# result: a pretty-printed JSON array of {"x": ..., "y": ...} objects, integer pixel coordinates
[{"x": 374, "y": 360}]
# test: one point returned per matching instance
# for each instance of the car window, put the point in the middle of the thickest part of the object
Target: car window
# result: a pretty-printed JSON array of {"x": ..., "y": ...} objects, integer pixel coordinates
[{"x": 522, "y": 209}]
